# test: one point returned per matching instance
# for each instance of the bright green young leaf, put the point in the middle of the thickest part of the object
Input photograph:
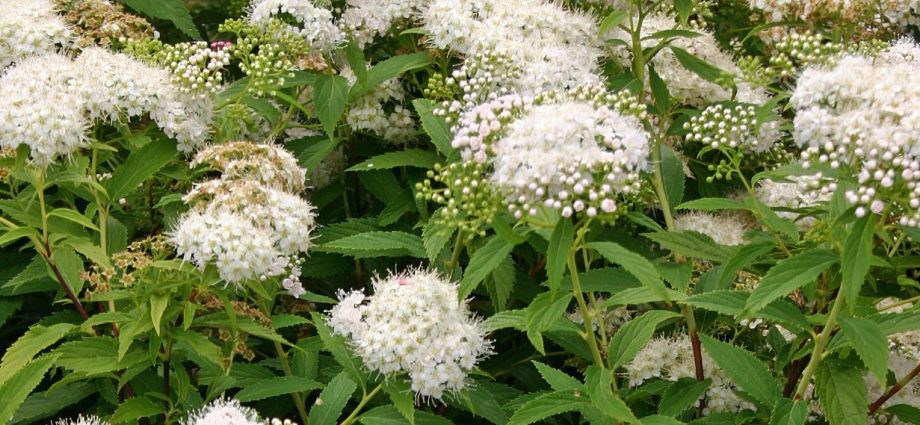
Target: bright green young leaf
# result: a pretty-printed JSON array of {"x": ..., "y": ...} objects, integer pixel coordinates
[
  {"x": 712, "y": 204},
  {"x": 71, "y": 215},
  {"x": 672, "y": 171},
  {"x": 789, "y": 275},
  {"x": 788, "y": 412},
  {"x": 855, "y": 258},
  {"x": 557, "y": 379},
  {"x": 870, "y": 343},
  {"x": 559, "y": 244},
  {"x": 330, "y": 95},
  {"x": 408, "y": 158},
  {"x": 843, "y": 394},
  {"x": 611, "y": 21},
  {"x": 18, "y": 386},
  {"x": 334, "y": 397},
  {"x": 36, "y": 339},
  {"x": 158, "y": 304},
  {"x": 599, "y": 385},
  {"x": 745, "y": 370},
  {"x": 483, "y": 262},
  {"x": 402, "y": 397},
  {"x": 140, "y": 166},
  {"x": 388, "y": 69},
  {"x": 705, "y": 70}
]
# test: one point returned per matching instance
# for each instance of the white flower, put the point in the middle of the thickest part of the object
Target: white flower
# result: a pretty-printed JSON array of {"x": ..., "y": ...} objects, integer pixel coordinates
[
  {"x": 414, "y": 323},
  {"x": 81, "y": 420},
  {"x": 671, "y": 359},
  {"x": 365, "y": 19},
  {"x": 267, "y": 164},
  {"x": 721, "y": 127},
  {"x": 556, "y": 49},
  {"x": 799, "y": 193},
  {"x": 685, "y": 85},
  {"x": 225, "y": 412},
  {"x": 861, "y": 116},
  {"x": 896, "y": 12},
  {"x": 30, "y": 28},
  {"x": 315, "y": 23},
  {"x": 369, "y": 112},
  {"x": 724, "y": 229}
]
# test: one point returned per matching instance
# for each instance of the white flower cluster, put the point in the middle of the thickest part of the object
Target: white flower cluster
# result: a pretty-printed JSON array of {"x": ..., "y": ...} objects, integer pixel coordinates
[
  {"x": 81, "y": 420},
  {"x": 369, "y": 112},
  {"x": 800, "y": 192},
  {"x": 246, "y": 223},
  {"x": 883, "y": 13},
  {"x": 267, "y": 164},
  {"x": 725, "y": 228},
  {"x": 230, "y": 412},
  {"x": 573, "y": 152},
  {"x": 365, "y": 19},
  {"x": 671, "y": 359},
  {"x": 315, "y": 24},
  {"x": 684, "y": 85},
  {"x": 413, "y": 323},
  {"x": 556, "y": 49},
  {"x": 30, "y": 28},
  {"x": 862, "y": 116},
  {"x": 48, "y": 102},
  {"x": 724, "y": 127},
  {"x": 196, "y": 67},
  {"x": 480, "y": 78}
]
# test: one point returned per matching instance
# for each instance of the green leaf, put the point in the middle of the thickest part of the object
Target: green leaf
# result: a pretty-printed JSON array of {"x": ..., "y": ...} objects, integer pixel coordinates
[
  {"x": 705, "y": 70},
  {"x": 435, "y": 236},
  {"x": 333, "y": 398},
  {"x": 158, "y": 304},
  {"x": 745, "y": 370},
  {"x": 336, "y": 345},
  {"x": 772, "y": 220},
  {"x": 132, "y": 409},
  {"x": 402, "y": 397},
  {"x": 672, "y": 172},
  {"x": 788, "y": 412},
  {"x": 905, "y": 412},
  {"x": 377, "y": 244},
  {"x": 855, "y": 258},
  {"x": 435, "y": 126},
  {"x": 408, "y": 158},
  {"x": 558, "y": 252},
  {"x": 662, "y": 103},
  {"x": 71, "y": 215},
  {"x": 330, "y": 95},
  {"x": 712, "y": 204},
  {"x": 273, "y": 387},
  {"x": 557, "y": 379},
  {"x": 635, "y": 264},
  {"x": 36, "y": 339},
  {"x": 483, "y": 262},
  {"x": 388, "y": 69},
  {"x": 611, "y": 21},
  {"x": 681, "y": 395},
  {"x": 843, "y": 394},
  {"x": 629, "y": 339},
  {"x": 788, "y": 275},
  {"x": 47, "y": 403},
  {"x": 743, "y": 258},
  {"x": 18, "y": 233},
  {"x": 691, "y": 244},
  {"x": 683, "y": 8},
  {"x": 547, "y": 405},
  {"x": 280, "y": 321},
  {"x": 170, "y": 10},
  {"x": 71, "y": 266},
  {"x": 600, "y": 390},
  {"x": 15, "y": 390},
  {"x": 642, "y": 295},
  {"x": 870, "y": 343},
  {"x": 388, "y": 415},
  {"x": 356, "y": 61},
  {"x": 140, "y": 166},
  {"x": 199, "y": 345}
]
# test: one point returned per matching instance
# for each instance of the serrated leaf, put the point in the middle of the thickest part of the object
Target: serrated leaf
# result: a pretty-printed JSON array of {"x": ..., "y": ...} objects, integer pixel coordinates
[
  {"x": 870, "y": 343},
  {"x": 559, "y": 244},
  {"x": 402, "y": 398},
  {"x": 333, "y": 399},
  {"x": 557, "y": 379},
  {"x": 698, "y": 66},
  {"x": 36, "y": 339},
  {"x": 905, "y": 412},
  {"x": 548, "y": 405},
  {"x": 276, "y": 386},
  {"x": 388, "y": 415},
  {"x": 788, "y": 275},
  {"x": 18, "y": 233},
  {"x": 336, "y": 345},
  {"x": 746, "y": 255},
  {"x": 599, "y": 385},
  {"x": 158, "y": 304},
  {"x": 377, "y": 244},
  {"x": 435, "y": 126},
  {"x": 483, "y": 262},
  {"x": 140, "y": 166},
  {"x": 691, "y": 244},
  {"x": 843, "y": 394},
  {"x": 388, "y": 69},
  {"x": 136, "y": 408},
  {"x": 635, "y": 264},
  {"x": 630, "y": 338},
  {"x": 642, "y": 295},
  {"x": 280, "y": 321},
  {"x": 788, "y": 412},
  {"x": 681, "y": 395},
  {"x": 73, "y": 216},
  {"x": 18, "y": 386},
  {"x": 199, "y": 345},
  {"x": 408, "y": 158},
  {"x": 611, "y": 21},
  {"x": 170, "y": 10},
  {"x": 435, "y": 236},
  {"x": 712, "y": 204},
  {"x": 855, "y": 258},
  {"x": 47, "y": 403},
  {"x": 330, "y": 95},
  {"x": 748, "y": 373},
  {"x": 672, "y": 167}
]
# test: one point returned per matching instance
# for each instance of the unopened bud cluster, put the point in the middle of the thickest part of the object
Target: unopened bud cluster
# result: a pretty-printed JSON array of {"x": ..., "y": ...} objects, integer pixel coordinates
[
  {"x": 267, "y": 52},
  {"x": 197, "y": 67},
  {"x": 467, "y": 198},
  {"x": 725, "y": 127}
]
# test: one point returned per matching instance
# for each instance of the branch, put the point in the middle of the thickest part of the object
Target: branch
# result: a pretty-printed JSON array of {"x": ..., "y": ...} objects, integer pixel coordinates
[{"x": 894, "y": 390}]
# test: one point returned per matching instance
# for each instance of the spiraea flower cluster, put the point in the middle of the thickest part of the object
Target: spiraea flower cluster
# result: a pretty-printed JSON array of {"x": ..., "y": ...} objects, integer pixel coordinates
[
  {"x": 683, "y": 84},
  {"x": 230, "y": 412},
  {"x": 30, "y": 28},
  {"x": 724, "y": 228},
  {"x": 247, "y": 223},
  {"x": 800, "y": 192},
  {"x": 555, "y": 48},
  {"x": 415, "y": 324},
  {"x": 572, "y": 152},
  {"x": 671, "y": 358},
  {"x": 874, "y": 17},
  {"x": 311, "y": 22},
  {"x": 381, "y": 111},
  {"x": 103, "y": 23},
  {"x": 469, "y": 201},
  {"x": 737, "y": 128},
  {"x": 82, "y": 420},
  {"x": 197, "y": 67},
  {"x": 479, "y": 79},
  {"x": 366, "y": 19},
  {"x": 268, "y": 52},
  {"x": 860, "y": 116}
]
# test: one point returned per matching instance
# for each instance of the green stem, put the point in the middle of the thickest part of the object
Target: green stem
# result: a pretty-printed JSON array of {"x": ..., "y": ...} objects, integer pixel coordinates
[
  {"x": 658, "y": 182},
  {"x": 364, "y": 400},
  {"x": 296, "y": 396},
  {"x": 455, "y": 256},
  {"x": 583, "y": 308},
  {"x": 820, "y": 343},
  {"x": 41, "y": 202}
]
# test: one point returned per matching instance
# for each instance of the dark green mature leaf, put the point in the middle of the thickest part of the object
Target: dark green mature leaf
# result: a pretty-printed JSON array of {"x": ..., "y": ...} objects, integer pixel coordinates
[
  {"x": 642, "y": 295},
  {"x": 388, "y": 415},
  {"x": 855, "y": 258},
  {"x": 559, "y": 244},
  {"x": 377, "y": 244},
  {"x": 788, "y": 275},
  {"x": 407, "y": 158},
  {"x": 557, "y": 379},
  {"x": 672, "y": 170},
  {"x": 47, "y": 403},
  {"x": 705, "y": 70},
  {"x": 436, "y": 127},
  {"x": 198, "y": 344},
  {"x": 870, "y": 343},
  {"x": 635, "y": 264},
  {"x": 611, "y": 21},
  {"x": 70, "y": 265},
  {"x": 336, "y": 345},
  {"x": 140, "y": 166},
  {"x": 691, "y": 244},
  {"x": 788, "y": 412},
  {"x": 905, "y": 412},
  {"x": 549, "y": 404},
  {"x": 843, "y": 394},
  {"x": 36, "y": 339},
  {"x": 170, "y": 10},
  {"x": 743, "y": 258},
  {"x": 681, "y": 395},
  {"x": 662, "y": 103},
  {"x": 481, "y": 400},
  {"x": 330, "y": 96},
  {"x": 627, "y": 342},
  {"x": 388, "y": 69},
  {"x": 712, "y": 204},
  {"x": 483, "y": 262},
  {"x": 334, "y": 397},
  {"x": 18, "y": 386},
  {"x": 132, "y": 409},
  {"x": 745, "y": 370},
  {"x": 599, "y": 385},
  {"x": 276, "y": 386}
]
